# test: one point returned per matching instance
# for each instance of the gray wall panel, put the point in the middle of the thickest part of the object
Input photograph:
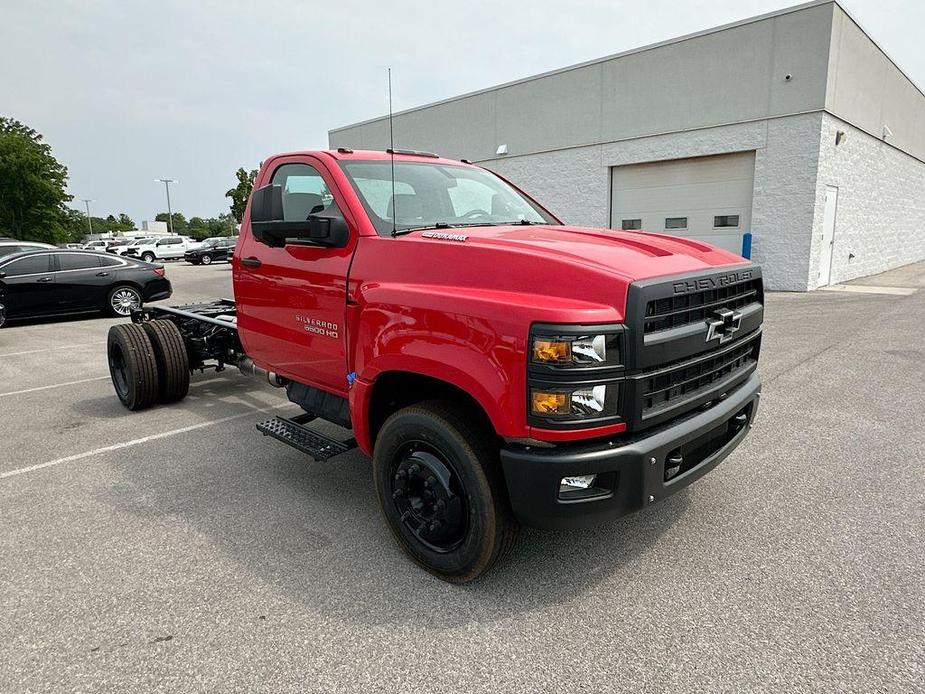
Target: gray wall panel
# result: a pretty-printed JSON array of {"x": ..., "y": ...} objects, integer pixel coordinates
[{"x": 866, "y": 89}]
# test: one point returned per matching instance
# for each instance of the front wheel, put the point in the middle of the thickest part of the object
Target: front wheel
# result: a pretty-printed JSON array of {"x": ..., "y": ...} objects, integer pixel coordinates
[
  {"x": 441, "y": 492},
  {"x": 206, "y": 259},
  {"x": 148, "y": 257}
]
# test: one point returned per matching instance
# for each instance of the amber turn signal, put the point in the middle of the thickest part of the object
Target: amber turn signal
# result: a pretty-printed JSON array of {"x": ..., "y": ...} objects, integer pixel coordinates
[
  {"x": 550, "y": 403},
  {"x": 552, "y": 351}
]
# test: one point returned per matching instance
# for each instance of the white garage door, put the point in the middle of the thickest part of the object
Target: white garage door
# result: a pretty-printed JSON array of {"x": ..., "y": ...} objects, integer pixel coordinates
[{"x": 706, "y": 198}]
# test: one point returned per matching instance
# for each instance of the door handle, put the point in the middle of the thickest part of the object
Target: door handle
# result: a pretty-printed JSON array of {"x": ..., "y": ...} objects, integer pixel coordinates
[
  {"x": 44, "y": 279},
  {"x": 251, "y": 262},
  {"x": 102, "y": 274}
]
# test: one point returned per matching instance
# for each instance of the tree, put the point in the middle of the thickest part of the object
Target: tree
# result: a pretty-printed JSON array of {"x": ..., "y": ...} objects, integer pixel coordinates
[
  {"x": 223, "y": 225},
  {"x": 32, "y": 186},
  {"x": 179, "y": 222},
  {"x": 198, "y": 228},
  {"x": 126, "y": 222},
  {"x": 241, "y": 192}
]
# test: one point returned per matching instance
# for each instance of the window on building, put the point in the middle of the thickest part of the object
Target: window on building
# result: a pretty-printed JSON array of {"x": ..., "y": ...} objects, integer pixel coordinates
[
  {"x": 725, "y": 220},
  {"x": 676, "y": 222},
  {"x": 631, "y": 224}
]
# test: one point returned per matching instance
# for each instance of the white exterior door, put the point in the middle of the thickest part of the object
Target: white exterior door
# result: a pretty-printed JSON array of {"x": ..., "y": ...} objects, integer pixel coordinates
[
  {"x": 705, "y": 198},
  {"x": 827, "y": 243}
]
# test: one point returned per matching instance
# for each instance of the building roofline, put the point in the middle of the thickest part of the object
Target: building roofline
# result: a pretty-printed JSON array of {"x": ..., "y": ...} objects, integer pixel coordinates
[
  {"x": 641, "y": 49},
  {"x": 596, "y": 61}
]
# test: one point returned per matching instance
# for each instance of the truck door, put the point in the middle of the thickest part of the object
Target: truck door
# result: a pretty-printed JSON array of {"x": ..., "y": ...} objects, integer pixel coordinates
[{"x": 292, "y": 301}]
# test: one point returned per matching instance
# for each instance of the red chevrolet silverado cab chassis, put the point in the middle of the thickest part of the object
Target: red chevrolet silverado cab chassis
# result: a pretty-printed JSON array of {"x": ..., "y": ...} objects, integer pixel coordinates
[{"x": 500, "y": 367}]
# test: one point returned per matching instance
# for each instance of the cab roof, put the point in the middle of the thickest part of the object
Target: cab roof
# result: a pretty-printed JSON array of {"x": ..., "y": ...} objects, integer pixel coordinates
[{"x": 347, "y": 154}]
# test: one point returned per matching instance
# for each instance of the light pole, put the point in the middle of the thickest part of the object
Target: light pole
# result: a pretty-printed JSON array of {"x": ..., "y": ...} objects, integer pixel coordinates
[
  {"x": 87, "y": 202},
  {"x": 167, "y": 182}
]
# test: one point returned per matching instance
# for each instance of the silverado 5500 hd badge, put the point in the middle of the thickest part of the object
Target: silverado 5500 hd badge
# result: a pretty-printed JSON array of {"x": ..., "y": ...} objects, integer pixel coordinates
[{"x": 319, "y": 327}]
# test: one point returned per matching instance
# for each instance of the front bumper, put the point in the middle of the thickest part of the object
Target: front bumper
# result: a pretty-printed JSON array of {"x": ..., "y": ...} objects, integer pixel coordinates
[{"x": 631, "y": 472}]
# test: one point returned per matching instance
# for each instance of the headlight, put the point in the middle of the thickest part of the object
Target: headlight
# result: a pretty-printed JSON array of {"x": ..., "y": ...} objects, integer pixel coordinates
[
  {"x": 575, "y": 375},
  {"x": 576, "y": 350},
  {"x": 579, "y": 402}
]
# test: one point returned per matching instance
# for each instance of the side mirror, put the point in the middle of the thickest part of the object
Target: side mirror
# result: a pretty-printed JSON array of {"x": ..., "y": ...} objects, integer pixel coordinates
[{"x": 271, "y": 228}]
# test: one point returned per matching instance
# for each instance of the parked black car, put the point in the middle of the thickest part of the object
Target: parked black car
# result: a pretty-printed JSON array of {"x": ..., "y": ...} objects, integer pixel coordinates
[
  {"x": 221, "y": 248},
  {"x": 55, "y": 282}
]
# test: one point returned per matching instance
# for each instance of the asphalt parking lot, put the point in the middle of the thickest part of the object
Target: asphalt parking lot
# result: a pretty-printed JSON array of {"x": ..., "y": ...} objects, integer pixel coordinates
[{"x": 177, "y": 549}]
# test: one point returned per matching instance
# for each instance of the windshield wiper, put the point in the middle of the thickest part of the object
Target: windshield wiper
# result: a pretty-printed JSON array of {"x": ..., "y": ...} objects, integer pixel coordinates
[
  {"x": 436, "y": 225},
  {"x": 460, "y": 225}
]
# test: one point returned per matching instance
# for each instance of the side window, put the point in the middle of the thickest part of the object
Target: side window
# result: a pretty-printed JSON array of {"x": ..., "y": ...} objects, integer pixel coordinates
[
  {"x": 9, "y": 250},
  {"x": 109, "y": 262},
  {"x": 163, "y": 242},
  {"x": 33, "y": 265},
  {"x": 77, "y": 261},
  {"x": 304, "y": 192}
]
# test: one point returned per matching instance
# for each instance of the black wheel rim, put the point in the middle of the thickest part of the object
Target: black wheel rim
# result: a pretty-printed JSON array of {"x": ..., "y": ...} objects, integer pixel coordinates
[
  {"x": 117, "y": 369},
  {"x": 428, "y": 497}
]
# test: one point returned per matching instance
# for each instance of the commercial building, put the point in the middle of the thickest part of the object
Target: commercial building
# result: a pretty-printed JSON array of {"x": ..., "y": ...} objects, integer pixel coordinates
[{"x": 794, "y": 127}]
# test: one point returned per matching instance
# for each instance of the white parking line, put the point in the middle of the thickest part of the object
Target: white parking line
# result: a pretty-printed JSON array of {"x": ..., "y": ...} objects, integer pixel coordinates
[
  {"x": 49, "y": 349},
  {"x": 56, "y": 385},
  {"x": 128, "y": 444}
]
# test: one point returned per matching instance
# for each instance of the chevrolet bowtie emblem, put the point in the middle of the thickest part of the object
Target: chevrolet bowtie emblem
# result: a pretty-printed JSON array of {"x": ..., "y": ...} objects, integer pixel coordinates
[{"x": 723, "y": 325}]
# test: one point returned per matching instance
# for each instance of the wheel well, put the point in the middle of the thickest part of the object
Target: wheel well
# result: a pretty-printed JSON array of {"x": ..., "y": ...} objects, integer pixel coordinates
[
  {"x": 394, "y": 390},
  {"x": 125, "y": 283}
]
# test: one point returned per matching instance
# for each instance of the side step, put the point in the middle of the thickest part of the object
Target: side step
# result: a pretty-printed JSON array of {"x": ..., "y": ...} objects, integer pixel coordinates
[{"x": 291, "y": 431}]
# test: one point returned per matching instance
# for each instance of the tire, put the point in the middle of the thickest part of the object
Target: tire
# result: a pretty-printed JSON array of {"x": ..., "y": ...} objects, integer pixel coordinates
[
  {"x": 457, "y": 464},
  {"x": 172, "y": 360},
  {"x": 132, "y": 366},
  {"x": 148, "y": 257},
  {"x": 207, "y": 259},
  {"x": 122, "y": 299}
]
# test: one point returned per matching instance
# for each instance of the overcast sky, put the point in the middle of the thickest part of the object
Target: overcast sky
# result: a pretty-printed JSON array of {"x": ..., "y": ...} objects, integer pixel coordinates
[{"x": 126, "y": 92}]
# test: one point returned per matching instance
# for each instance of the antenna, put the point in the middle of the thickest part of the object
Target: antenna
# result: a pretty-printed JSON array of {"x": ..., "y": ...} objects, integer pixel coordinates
[{"x": 392, "y": 156}]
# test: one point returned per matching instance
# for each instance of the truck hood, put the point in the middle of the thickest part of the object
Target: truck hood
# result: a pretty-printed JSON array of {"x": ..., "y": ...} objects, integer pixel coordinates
[{"x": 629, "y": 255}]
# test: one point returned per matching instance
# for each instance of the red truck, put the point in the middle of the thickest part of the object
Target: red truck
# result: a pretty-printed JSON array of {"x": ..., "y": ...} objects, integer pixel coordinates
[{"x": 500, "y": 367}]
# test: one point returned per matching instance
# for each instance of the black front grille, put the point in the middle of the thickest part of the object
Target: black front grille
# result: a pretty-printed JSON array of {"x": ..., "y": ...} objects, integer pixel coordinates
[
  {"x": 683, "y": 309},
  {"x": 690, "y": 378}
]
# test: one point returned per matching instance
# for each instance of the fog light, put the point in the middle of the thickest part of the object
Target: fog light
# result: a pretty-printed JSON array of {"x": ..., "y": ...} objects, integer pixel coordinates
[{"x": 576, "y": 483}]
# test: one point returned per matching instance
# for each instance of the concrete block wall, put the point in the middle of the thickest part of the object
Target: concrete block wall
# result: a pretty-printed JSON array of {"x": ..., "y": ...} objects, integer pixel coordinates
[
  {"x": 880, "y": 217},
  {"x": 575, "y": 183}
]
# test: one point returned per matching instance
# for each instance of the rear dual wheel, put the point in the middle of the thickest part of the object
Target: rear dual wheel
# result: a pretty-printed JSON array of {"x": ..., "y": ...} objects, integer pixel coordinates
[
  {"x": 148, "y": 363},
  {"x": 441, "y": 491},
  {"x": 172, "y": 360}
]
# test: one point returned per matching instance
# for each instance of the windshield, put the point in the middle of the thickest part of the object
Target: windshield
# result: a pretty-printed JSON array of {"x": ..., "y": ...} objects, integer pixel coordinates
[{"x": 437, "y": 195}]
